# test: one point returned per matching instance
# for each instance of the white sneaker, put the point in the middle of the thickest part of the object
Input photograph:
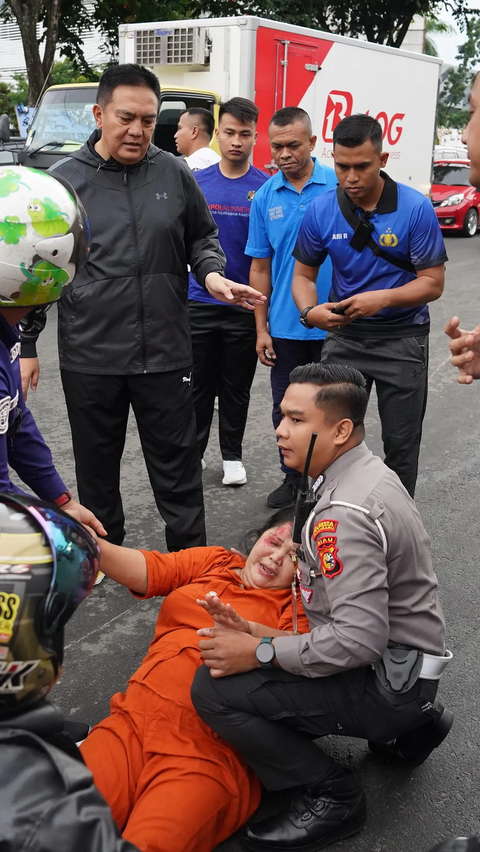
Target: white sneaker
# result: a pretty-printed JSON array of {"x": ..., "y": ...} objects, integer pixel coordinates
[
  {"x": 204, "y": 464},
  {"x": 234, "y": 473}
]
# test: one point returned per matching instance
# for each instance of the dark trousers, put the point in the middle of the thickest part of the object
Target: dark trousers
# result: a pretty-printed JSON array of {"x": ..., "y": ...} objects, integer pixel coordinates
[
  {"x": 399, "y": 369},
  {"x": 224, "y": 362},
  {"x": 272, "y": 717},
  {"x": 98, "y": 408},
  {"x": 290, "y": 354}
]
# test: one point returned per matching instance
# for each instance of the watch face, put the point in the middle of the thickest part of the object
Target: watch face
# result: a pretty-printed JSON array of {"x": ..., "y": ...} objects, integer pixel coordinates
[{"x": 265, "y": 652}]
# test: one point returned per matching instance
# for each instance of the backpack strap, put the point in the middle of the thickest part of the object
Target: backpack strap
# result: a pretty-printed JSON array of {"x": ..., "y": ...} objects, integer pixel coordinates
[{"x": 353, "y": 219}]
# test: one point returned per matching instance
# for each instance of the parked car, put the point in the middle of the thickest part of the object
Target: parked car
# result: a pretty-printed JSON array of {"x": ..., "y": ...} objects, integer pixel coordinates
[
  {"x": 455, "y": 200},
  {"x": 450, "y": 152}
]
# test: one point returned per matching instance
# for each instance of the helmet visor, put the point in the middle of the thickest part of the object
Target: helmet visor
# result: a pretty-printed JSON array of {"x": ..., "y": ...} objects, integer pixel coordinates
[{"x": 75, "y": 565}]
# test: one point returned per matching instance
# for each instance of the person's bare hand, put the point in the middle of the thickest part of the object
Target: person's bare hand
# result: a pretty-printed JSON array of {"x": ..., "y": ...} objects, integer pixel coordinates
[
  {"x": 265, "y": 350},
  {"x": 30, "y": 374},
  {"x": 230, "y": 653},
  {"x": 364, "y": 304},
  {"x": 224, "y": 617},
  {"x": 232, "y": 293},
  {"x": 465, "y": 349},
  {"x": 321, "y": 316},
  {"x": 85, "y": 517}
]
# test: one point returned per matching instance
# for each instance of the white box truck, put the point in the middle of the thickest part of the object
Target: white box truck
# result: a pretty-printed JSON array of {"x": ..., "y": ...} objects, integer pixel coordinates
[{"x": 279, "y": 65}]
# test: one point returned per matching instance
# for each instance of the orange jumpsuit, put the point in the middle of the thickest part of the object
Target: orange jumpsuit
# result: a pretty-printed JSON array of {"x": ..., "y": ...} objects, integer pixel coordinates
[{"x": 173, "y": 785}]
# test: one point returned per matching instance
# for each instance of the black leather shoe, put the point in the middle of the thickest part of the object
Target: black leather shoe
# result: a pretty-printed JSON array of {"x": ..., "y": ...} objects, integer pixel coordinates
[
  {"x": 286, "y": 493},
  {"x": 316, "y": 818},
  {"x": 414, "y": 748}
]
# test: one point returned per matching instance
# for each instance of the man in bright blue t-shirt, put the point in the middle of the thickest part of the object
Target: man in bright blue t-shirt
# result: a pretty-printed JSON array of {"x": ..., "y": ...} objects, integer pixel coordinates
[
  {"x": 223, "y": 336},
  {"x": 388, "y": 258},
  {"x": 276, "y": 216}
]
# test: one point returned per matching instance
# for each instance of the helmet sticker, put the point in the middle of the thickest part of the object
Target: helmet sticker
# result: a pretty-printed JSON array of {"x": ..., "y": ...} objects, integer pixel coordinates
[
  {"x": 44, "y": 283},
  {"x": 47, "y": 218},
  {"x": 9, "y": 604},
  {"x": 13, "y": 674},
  {"x": 12, "y": 230},
  {"x": 10, "y": 181}
]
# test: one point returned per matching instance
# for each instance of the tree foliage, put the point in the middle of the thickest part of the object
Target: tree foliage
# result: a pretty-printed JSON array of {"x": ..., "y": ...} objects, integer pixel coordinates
[
  {"x": 451, "y": 108},
  {"x": 62, "y": 22}
]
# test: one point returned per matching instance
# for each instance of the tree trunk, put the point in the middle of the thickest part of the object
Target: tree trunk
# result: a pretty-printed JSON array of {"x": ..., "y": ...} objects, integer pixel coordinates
[{"x": 27, "y": 14}]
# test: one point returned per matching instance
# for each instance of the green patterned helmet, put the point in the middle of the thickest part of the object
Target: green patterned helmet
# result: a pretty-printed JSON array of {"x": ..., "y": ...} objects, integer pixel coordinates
[
  {"x": 48, "y": 565},
  {"x": 44, "y": 236}
]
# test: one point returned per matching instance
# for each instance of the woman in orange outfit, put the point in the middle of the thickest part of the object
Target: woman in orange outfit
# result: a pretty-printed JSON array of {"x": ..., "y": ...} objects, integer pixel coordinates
[{"x": 172, "y": 784}]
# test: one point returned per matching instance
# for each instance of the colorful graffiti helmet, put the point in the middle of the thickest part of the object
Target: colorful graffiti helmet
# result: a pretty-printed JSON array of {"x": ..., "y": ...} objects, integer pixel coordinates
[
  {"x": 460, "y": 844},
  {"x": 48, "y": 565},
  {"x": 44, "y": 236}
]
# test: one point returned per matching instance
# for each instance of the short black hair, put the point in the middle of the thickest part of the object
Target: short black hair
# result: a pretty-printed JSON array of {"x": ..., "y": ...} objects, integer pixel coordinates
[
  {"x": 127, "y": 74},
  {"x": 282, "y": 516},
  {"x": 354, "y": 130},
  {"x": 245, "y": 111},
  {"x": 289, "y": 115},
  {"x": 205, "y": 118},
  {"x": 342, "y": 390}
]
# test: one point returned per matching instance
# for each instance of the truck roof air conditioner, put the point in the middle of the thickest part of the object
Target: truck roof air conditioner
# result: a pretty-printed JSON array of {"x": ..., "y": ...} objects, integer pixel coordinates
[{"x": 172, "y": 46}]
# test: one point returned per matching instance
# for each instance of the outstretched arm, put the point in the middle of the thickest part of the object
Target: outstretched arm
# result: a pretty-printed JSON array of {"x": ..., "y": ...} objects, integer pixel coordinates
[{"x": 124, "y": 565}]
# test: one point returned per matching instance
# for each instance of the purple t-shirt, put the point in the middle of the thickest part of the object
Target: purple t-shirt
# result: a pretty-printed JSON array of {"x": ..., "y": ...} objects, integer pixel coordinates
[{"x": 229, "y": 201}]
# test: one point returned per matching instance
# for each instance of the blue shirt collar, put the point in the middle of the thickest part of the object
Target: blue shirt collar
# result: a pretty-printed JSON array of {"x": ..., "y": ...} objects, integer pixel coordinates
[{"x": 318, "y": 176}]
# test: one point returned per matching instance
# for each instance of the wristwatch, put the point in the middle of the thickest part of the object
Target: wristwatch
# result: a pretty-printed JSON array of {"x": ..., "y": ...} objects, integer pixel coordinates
[
  {"x": 265, "y": 652},
  {"x": 303, "y": 317}
]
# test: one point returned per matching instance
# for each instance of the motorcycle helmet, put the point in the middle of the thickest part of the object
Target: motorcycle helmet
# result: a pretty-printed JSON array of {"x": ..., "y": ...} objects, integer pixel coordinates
[
  {"x": 48, "y": 564},
  {"x": 44, "y": 236},
  {"x": 459, "y": 844}
]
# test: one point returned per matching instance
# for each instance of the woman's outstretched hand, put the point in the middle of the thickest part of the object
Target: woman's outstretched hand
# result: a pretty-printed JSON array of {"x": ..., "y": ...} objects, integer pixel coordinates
[{"x": 225, "y": 618}]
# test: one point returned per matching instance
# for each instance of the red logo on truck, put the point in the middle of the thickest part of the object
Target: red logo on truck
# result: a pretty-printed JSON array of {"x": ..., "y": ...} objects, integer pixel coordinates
[{"x": 339, "y": 105}]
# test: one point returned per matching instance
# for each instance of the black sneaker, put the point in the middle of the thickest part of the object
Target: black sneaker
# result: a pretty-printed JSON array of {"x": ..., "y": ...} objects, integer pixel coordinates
[
  {"x": 314, "y": 819},
  {"x": 286, "y": 492}
]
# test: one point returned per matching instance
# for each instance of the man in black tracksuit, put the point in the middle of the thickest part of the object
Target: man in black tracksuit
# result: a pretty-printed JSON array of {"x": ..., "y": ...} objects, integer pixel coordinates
[{"x": 124, "y": 339}]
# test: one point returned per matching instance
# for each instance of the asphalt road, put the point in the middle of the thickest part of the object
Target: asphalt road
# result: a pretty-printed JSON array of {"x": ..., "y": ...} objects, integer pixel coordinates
[{"x": 107, "y": 638}]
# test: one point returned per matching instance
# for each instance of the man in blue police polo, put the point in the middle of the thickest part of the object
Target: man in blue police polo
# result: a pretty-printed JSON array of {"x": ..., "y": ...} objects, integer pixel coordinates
[
  {"x": 388, "y": 259},
  {"x": 276, "y": 214}
]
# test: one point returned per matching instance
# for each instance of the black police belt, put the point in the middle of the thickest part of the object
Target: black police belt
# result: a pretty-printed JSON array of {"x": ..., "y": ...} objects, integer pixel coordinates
[{"x": 399, "y": 668}]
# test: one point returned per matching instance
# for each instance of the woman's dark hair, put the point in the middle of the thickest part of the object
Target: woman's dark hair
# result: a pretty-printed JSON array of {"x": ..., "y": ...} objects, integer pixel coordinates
[
  {"x": 282, "y": 516},
  {"x": 341, "y": 393},
  {"x": 242, "y": 109},
  {"x": 354, "y": 130},
  {"x": 127, "y": 74}
]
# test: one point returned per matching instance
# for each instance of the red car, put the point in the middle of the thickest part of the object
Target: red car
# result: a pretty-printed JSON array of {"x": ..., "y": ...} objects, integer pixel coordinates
[{"x": 455, "y": 200}]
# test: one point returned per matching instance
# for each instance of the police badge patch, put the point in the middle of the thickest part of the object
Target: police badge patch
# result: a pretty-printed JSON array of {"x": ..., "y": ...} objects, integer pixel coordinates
[{"x": 327, "y": 549}]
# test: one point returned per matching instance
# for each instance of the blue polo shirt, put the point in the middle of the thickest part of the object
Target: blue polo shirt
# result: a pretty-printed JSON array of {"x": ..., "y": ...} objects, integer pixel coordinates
[
  {"x": 229, "y": 201},
  {"x": 405, "y": 224},
  {"x": 275, "y": 217}
]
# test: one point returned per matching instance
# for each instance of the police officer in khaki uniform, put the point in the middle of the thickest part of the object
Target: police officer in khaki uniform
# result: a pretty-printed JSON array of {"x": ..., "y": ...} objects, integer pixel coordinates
[{"x": 370, "y": 665}]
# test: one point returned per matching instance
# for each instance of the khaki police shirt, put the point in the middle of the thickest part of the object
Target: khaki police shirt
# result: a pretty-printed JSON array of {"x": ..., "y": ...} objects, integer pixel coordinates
[{"x": 365, "y": 572}]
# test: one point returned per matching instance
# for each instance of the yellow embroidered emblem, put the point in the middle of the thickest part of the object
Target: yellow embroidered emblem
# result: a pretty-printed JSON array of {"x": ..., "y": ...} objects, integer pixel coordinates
[{"x": 388, "y": 240}]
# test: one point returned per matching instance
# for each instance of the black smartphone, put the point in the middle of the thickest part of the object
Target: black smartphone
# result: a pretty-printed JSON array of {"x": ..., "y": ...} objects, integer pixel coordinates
[{"x": 340, "y": 311}]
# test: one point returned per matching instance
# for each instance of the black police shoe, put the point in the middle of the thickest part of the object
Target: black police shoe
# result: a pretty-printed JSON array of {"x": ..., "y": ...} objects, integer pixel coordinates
[
  {"x": 316, "y": 818},
  {"x": 414, "y": 748},
  {"x": 285, "y": 493}
]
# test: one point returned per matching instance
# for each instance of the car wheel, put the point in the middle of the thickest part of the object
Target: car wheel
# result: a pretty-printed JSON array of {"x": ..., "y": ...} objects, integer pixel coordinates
[{"x": 470, "y": 223}]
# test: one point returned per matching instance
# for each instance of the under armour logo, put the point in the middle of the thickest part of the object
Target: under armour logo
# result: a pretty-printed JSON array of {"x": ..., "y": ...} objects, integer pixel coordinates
[
  {"x": 159, "y": 195},
  {"x": 187, "y": 378}
]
